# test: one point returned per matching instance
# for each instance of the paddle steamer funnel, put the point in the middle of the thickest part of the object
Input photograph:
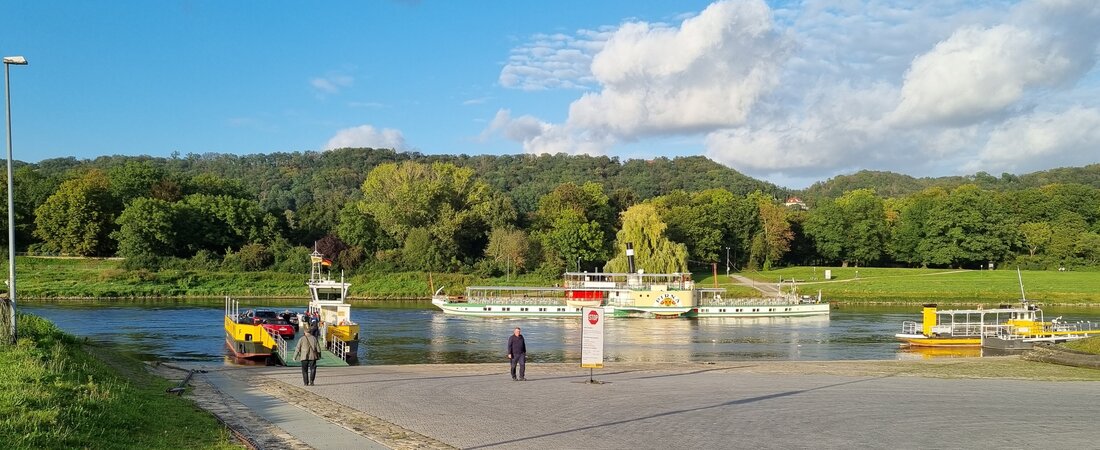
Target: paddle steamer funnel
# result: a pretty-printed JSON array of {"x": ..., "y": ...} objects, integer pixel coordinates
[{"x": 630, "y": 257}]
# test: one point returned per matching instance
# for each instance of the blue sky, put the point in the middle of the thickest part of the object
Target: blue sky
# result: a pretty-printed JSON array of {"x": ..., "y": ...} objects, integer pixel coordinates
[{"x": 791, "y": 92}]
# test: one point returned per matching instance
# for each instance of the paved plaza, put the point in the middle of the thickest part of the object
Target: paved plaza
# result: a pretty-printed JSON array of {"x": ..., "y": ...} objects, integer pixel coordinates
[{"x": 728, "y": 405}]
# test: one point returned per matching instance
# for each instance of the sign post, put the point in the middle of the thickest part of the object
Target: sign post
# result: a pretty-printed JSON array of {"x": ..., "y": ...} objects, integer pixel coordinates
[{"x": 592, "y": 340}]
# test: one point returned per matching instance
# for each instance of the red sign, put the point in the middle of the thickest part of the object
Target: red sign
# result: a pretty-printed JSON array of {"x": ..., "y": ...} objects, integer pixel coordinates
[{"x": 593, "y": 317}]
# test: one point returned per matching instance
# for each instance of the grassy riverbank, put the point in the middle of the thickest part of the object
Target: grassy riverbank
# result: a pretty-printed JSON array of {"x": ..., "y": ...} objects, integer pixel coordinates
[
  {"x": 1087, "y": 345},
  {"x": 889, "y": 285},
  {"x": 57, "y": 395},
  {"x": 48, "y": 278}
]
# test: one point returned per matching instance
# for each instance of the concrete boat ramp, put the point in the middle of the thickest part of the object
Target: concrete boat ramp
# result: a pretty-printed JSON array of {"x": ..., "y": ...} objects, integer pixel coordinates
[{"x": 752, "y": 404}]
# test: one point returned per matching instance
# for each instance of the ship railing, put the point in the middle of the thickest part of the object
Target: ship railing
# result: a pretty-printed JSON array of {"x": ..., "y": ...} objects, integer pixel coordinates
[
  {"x": 966, "y": 328},
  {"x": 910, "y": 327},
  {"x": 533, "y": 301},
  {"x": 749, "y": 301}
]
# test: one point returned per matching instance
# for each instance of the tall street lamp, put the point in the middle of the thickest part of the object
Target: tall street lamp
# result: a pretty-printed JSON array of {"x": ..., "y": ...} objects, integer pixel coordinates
[
  {"x": 8, "y": 62},
  {"x": 727, "y": 261}
]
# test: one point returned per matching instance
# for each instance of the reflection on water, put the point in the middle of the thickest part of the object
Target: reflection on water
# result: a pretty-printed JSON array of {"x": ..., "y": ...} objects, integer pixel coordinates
[
  {"x": 416, "y": 333},
  {"x": 938, "y": 352}
]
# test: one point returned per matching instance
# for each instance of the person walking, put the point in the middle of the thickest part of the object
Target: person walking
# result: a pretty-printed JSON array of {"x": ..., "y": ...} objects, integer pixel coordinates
[
  {"x": 308, "y": 351},
  {"x": 517, "y": 354}
]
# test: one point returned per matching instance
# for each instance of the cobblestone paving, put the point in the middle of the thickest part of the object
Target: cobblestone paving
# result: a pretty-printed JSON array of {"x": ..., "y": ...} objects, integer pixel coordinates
[{"x": 732, "y": 405}]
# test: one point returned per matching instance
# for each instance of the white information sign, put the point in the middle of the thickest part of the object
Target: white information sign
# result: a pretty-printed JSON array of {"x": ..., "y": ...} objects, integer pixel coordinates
[{"x": 592, "y": 338}]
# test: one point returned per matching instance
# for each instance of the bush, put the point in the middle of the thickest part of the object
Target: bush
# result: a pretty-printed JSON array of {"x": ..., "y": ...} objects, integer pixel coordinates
[
  {"x": 251, "y": 257},
  {"x": 291, "y": 259},
  {"x": 205, "y": 260}
]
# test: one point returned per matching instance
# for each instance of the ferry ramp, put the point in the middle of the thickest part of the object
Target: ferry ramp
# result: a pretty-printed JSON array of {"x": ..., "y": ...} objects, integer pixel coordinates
[{"x": 286, "y": 354}]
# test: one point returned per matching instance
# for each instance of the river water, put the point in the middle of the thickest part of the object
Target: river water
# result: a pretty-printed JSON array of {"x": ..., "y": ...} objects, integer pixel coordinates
[{"x": 416, "y": 333}]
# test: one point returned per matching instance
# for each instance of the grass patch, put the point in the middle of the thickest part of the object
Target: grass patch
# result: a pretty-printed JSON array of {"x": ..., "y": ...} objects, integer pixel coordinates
[
  {"x": 1086, "y": 345},
  {"x": 871, "y": 284},
  {"x": 57, "y": 395}
]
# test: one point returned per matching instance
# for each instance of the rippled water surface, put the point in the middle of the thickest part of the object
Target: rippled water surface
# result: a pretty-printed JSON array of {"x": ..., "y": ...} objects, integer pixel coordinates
[{"x": 416, "y": 332}]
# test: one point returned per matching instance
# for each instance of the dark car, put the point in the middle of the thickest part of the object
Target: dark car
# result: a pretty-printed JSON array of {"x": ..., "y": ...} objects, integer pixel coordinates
[
  {"x": 270, "y": 320},
  {"x": 290, "y": 317}
]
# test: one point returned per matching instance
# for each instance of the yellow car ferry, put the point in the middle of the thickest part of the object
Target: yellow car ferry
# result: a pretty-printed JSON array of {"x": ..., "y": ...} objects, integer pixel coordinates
[
  {"x": 1005, "y": 327},
  {"x": 328, "y": 310}
]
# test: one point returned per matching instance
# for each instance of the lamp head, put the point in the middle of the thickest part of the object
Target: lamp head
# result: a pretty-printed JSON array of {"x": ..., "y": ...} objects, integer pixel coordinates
[{"x": 17, "y": 60}]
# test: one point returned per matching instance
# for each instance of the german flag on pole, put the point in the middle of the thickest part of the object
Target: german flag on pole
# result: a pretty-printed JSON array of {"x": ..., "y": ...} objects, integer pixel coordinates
[{"x": 326, "y": 262}]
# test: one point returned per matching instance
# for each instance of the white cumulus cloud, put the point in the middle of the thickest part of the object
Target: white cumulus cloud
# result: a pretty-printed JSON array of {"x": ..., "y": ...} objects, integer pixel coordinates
[
  {"x": 1042, "y": 140},
  {"x": 367, "y": 136},
  {"x": 708, "y": 72}
]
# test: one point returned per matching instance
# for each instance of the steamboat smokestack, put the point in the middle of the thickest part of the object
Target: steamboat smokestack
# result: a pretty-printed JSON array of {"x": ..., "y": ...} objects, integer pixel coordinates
[{"x": 630, "y": 256}]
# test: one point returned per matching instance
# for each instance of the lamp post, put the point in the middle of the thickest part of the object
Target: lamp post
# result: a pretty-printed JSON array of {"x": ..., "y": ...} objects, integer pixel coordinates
[
  {"x": 8, "y": 62},
  {"x": 727, "y": 262}
]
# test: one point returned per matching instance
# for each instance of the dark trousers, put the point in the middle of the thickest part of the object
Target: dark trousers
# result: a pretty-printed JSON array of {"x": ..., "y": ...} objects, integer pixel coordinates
[
  {"x": 521, "y": 360},
  {"x": 309, "y": 371}
]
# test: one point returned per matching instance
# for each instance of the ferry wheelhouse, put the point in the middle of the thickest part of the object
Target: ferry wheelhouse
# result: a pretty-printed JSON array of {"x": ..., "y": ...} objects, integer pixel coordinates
[
  {"x": 328, "y": 304},
  {"x": 622, "y": 295}
]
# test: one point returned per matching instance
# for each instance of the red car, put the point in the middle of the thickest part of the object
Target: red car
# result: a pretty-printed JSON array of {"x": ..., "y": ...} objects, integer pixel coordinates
[{"x": 271, "y": 321}]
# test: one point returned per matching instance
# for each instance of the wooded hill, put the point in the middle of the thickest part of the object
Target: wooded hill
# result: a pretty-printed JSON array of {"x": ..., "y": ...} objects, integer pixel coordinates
[
  {"x": 376, "y": 209},
  {"x": 890, "y": 184}
]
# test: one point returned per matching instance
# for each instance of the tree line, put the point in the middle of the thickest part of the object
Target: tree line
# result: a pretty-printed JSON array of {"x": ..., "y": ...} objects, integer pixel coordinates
[{"x": 379, "y": 210}]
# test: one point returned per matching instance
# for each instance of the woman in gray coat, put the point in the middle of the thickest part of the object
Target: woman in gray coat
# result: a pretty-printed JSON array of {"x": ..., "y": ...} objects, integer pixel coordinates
[{"x": 308, "y": 351}]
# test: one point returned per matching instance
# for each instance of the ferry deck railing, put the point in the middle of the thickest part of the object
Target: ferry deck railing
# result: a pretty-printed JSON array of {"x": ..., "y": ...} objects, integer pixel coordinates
[
  {"x": 280, "y": 343},
  {"x": 910, "y": 327},
  {"x": 339, "y": 348}
]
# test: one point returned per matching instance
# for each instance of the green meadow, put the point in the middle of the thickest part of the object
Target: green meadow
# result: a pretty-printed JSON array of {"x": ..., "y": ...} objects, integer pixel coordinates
[{"x": 891, "y": 285}]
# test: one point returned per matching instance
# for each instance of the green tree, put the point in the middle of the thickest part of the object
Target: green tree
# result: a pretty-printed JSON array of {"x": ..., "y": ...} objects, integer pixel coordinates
[
  {"x": 1036, "y": 235},
  {"x": 446, "y": 201},
  {"x": 969, "y": 227},
  {"x": 147, "y": 227},
  {"x": 32, "y": 188},
  {"x": 911, "y": 227},
  {"x": 653, "y": 251},
  {"x": 851, "y": 228},
  {"x": 573, "y": 222},
  {"x": 508, "y": 248},
  {"x": 773, "y": 239},
  {"x": 1066, "y": 230},
  {"x": 79, "y": 218},
  {"x": 218, "y": 223},
  {"x": 360, "y": 230},
  {"x": 134, "y": 179},
  {"x": 420, "y": 251}
]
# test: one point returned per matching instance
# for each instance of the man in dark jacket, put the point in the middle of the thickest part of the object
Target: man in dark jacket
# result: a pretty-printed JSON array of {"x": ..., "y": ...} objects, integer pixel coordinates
[{"x": 517, "y": 354}]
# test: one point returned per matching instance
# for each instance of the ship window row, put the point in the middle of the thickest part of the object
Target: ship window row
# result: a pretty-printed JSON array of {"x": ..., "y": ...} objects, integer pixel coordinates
[{"x": 488, "y": 308}]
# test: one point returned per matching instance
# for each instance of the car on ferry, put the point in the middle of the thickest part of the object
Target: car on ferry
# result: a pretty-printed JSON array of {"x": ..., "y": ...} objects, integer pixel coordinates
[{"x": 271, "y": 321}]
